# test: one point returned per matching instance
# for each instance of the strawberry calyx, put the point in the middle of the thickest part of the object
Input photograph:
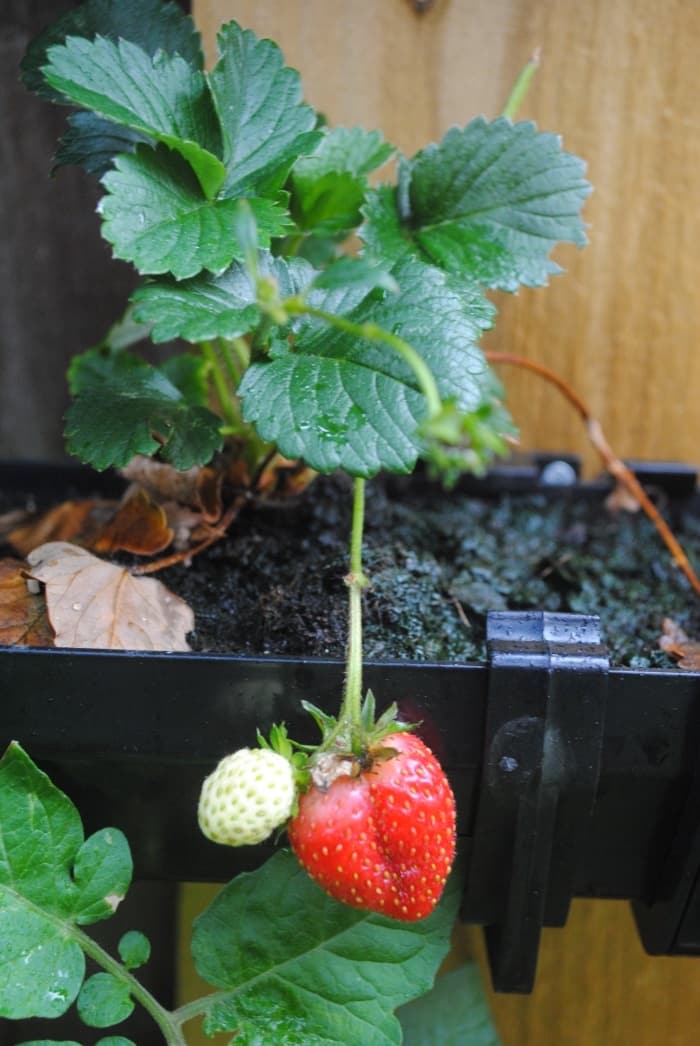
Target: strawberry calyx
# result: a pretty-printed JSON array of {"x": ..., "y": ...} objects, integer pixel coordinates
[{"x": 349, "y": 748}]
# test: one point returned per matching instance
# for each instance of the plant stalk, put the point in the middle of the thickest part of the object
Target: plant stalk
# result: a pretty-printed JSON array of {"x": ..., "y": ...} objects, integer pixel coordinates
[
  {"x": 521, "y": 86},
  {"x": 228, "y": 407},
  {"x": 166, "y": 1021},
  {"x": 373, "y": 332},
  {"x": 356, "y": 581}
]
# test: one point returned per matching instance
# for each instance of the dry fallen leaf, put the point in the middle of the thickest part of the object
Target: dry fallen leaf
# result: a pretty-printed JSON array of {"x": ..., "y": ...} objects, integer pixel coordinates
[
  {"x": 139, "y": 526},
  {"x": 620, "y": 499},
  {"x": 23, "y": 620},
  {"x": 97, "y": 605},
  {"x": 677, "y": 643},
  {"x": 69, "y": 521},
  {"x": 198, "y": 488}
]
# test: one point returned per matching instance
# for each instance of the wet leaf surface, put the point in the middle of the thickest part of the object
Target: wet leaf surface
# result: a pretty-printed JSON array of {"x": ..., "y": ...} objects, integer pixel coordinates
[{"x": 97, "y": 605}]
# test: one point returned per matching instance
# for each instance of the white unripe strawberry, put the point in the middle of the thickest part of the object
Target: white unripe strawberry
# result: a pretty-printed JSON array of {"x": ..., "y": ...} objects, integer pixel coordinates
[{"x": 250, "y": 793}]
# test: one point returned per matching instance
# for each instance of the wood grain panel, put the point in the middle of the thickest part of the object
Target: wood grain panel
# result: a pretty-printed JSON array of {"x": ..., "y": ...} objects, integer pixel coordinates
[
  {"x": 619, "y": 82},
  {"x": 597, "y": 987}
]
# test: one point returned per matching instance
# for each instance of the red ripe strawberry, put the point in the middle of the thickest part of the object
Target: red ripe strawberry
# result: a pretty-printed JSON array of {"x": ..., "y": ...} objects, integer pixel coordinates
[{"x": 384, "y": 839}]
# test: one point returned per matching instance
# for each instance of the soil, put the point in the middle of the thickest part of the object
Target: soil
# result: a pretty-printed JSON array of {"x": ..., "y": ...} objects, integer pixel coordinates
[{"x": 437, "y": 563}]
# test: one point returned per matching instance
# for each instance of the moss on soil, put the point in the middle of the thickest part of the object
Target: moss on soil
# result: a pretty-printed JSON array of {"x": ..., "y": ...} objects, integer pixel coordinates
[{"x": 437, "y": 563}]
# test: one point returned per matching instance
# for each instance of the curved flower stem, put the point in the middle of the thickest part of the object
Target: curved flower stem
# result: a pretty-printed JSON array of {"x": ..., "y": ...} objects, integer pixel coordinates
[
  {"x": 373, "y": 332},
  {"x": 613, "y": 464}
]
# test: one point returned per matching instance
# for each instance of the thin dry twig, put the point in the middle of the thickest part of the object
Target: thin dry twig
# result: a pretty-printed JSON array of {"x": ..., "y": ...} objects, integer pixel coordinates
[
  {"x": 215, "y": 534},
  {"x": 613, "y": 464}
]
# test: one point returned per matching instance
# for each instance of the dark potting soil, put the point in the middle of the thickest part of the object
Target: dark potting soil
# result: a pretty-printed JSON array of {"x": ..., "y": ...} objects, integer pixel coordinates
[{"x": 437, "y": 562}]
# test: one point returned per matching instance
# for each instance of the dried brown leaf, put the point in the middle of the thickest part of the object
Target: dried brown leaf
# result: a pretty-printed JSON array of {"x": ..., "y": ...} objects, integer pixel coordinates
[
  {"x": 677, "y": 643},
  {"x": 23, "y": 620},
  {"x": 70, "y": 521},
  {"x": 139, "y": 526},
  {"x": 98, "y": 605},
  {"x": 620, "y": 499},
  {"x": 198, "y": 488}
]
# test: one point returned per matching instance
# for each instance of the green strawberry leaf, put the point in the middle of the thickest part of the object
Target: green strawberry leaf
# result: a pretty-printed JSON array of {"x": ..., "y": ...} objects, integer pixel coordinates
[
  {"x": 134, "y": 949},
  {"x": 127, "y": 331},
  {"x": 328, "y": 187},
  {"x": 125, "y": 407},
  {"x": 91, "y": 142},
  {"x": 265, "y": 124},
  {"x": 190, "y": 376},
  {"x": 152, "y": 24},
  {"x": 487, "y": 204},
  {"x": 207, "y": 307},
  {"x": 103, "y": 1001},
  {"x": 160, "y": 96},
  {"x": 362, "y": 272},
  {"x": 454, "y": 1013},
  {"x": 339, "y": 401},
  {"x": 156, "y": 216},
  {"x": 51, "y": 879},
  {"x": 325, "y": 980}
]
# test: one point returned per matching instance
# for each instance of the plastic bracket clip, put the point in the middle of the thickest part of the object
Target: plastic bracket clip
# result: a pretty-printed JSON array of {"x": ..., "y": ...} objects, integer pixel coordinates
[{"x": 543, "y": 742}]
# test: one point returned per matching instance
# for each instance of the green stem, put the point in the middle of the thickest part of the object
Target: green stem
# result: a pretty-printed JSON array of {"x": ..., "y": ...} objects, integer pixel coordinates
[
  {"x": 169, "y": 1024},
  {"x": 521, "y": 86},
  {"x": 241, "y": 350},
  {"x": 230, "y": 362},
  {"x": 373, "y": 332},
  {"x": 228, "y": 408},
  {"x": 356, "y": 581}
]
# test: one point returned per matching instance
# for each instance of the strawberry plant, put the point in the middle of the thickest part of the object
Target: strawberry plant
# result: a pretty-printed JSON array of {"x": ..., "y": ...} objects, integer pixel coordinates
[{"x": 333, "y": 293}]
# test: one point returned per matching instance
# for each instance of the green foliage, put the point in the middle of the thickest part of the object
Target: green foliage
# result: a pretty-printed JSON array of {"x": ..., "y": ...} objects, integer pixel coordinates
[
  {"x": 265, "y": 125},
  {"x": 487, "y": 204},
  {"x": 343, "y": 401},
  {"x": 152, "y": 24},
  {"x": 328, "y": 188},
  {"x": 207, "y": 307},
  {"x": 104, "y": 1000},
  {"x": 52, "y": 880},
  {"x": 134, "y": 949},
  {"x": 454, "y": 1013},
  {"x": 294, "y": 966},
  {"x": 228, "y": 188}
]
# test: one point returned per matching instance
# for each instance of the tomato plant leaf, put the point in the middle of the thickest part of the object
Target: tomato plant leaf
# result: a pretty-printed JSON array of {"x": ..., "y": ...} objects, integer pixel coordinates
[
  {"x": 207, "y": 307},
  {"x": 331, "y": 979},
  {"x": 328, "y": 187},
  {"x": 134, "y": 949},
  {"x": 50, "y": 879},
  {"x": 124, "y": 406},
  {"x": 454, "y": 1013},
  {"x": 104, "y": 1001},
  {"x": 340, "y": 401},
  {"x": 265, "y": 124},
  {"x": 489, "y": 203},
  {"x": 152, "y": 24},
  {"x": 156, "y": 216}
]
